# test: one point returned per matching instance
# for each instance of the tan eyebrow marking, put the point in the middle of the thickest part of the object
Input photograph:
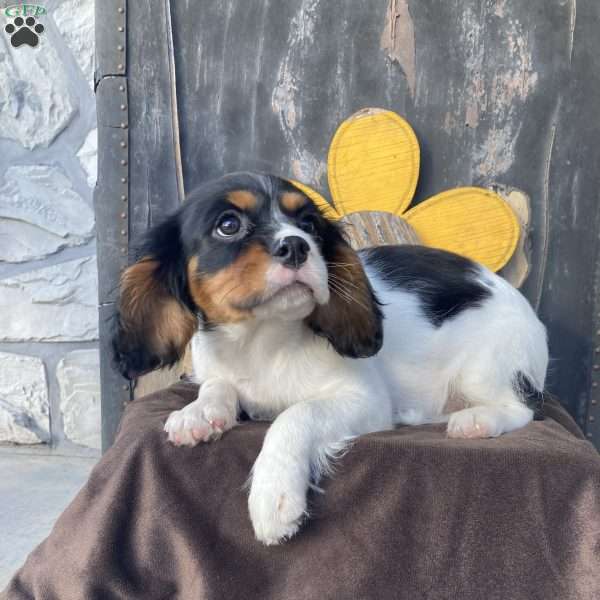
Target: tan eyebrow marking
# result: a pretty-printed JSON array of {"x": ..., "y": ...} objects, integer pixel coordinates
[
  {"x": 243, "y": 199},
  {"x": 292, "y": 201}
]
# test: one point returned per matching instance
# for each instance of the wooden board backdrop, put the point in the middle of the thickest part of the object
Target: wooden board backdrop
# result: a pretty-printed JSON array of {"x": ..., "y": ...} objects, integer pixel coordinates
[{"x": 498, "y": 92}]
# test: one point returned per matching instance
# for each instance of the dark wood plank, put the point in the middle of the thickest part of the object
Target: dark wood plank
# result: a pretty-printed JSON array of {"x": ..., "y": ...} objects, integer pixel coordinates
[
  {"x": 111, "y": 38},
  {"x": 156, "y": 186},
  {"x": 111, "y": 196},
  {"x": 115, "y": 391},
  {"x": 569, "y": 297},
  {"x": 112, "y": 189}
]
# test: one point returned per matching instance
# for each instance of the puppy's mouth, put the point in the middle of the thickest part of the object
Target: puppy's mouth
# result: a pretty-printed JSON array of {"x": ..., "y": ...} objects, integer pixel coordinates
[
  {"x": 296, "y": 291},
  {"x": 297, "y": 288}
]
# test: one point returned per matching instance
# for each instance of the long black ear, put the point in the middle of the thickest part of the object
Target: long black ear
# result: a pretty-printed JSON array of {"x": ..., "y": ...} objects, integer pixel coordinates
[
  {"x": 352, "y": 320},
  {"x": 155, "y": 319}
]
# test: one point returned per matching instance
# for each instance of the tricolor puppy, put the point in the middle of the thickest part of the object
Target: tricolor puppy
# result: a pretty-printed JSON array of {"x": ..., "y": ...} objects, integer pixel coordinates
[{"x": 289, "y": 324}]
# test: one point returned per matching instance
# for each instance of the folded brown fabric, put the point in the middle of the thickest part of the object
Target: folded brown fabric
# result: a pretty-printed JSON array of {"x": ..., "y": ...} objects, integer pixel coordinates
[{"x": 410, "y": 514}]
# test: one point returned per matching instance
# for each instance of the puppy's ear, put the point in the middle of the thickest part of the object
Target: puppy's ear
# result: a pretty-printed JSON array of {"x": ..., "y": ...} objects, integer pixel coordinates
[
  {"x": 352, "y": 319},
  {"x": 155, "y": 320}
]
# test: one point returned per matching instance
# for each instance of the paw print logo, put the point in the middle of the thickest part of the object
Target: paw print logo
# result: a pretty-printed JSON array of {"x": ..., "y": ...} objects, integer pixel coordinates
[
  {"x": 372, "y": 171},
  {"x": 24, "y": 31}
]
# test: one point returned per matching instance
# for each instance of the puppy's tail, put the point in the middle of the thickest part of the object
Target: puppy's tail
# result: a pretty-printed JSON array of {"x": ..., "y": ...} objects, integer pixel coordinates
[{"x": 533, "y": 397}]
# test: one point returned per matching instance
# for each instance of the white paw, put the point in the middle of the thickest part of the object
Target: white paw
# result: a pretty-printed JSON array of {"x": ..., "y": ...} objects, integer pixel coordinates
[
  {"x": 475, "y": 422},
  {"x": 277, "y": 503},
  {"x": 200, "y": 421}
]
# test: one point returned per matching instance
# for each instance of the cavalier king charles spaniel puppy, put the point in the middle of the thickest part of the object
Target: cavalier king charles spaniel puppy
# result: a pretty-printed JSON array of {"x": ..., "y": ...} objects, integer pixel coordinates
[{"x": 289, "y": 324}]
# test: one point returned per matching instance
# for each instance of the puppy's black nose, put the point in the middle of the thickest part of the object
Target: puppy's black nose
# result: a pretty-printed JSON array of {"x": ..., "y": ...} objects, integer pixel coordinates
[{"x": 292, "y": 251}]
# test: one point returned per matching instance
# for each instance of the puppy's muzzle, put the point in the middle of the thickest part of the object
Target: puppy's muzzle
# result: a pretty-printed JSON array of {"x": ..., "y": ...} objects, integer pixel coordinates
[{"x": 291, "y": 251}]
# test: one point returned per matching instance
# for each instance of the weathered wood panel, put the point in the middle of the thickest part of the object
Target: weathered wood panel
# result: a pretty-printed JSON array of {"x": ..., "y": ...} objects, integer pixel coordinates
[
  {"x": 501, "y": 92},
  {"x": 498, "y": 92}
]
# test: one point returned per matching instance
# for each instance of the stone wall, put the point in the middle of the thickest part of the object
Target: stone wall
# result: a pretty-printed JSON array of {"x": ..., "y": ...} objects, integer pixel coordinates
[{"x": 49, "y": 371}]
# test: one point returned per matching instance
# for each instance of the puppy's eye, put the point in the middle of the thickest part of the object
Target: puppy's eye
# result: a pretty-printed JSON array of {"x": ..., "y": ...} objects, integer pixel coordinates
[
  {"x": 308, "y": 224},
  {"x": 228, "y": 225}
]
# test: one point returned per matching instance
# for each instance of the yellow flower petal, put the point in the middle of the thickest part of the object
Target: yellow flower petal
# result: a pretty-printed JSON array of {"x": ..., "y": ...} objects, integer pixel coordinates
[
  {"x": 324, "y": 206},
  {"x": 472, "y": 222},
  {"x": 373, "y": 163}
]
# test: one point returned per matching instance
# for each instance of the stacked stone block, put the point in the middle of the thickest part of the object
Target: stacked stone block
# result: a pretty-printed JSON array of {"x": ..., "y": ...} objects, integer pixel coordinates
[{"x": 49, "y": 372}]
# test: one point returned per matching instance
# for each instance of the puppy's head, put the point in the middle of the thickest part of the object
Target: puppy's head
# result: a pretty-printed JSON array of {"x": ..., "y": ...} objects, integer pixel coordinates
[{"x": 246, "y": 246}]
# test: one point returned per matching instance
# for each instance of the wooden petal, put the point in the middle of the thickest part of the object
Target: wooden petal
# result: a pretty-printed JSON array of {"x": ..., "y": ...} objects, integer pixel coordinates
[
  {"x": 473, "y": 222},
  {"x": 517, "y": 268},
  {"x": 323, "y": 205},
  {"x": 373, "y": 163}
]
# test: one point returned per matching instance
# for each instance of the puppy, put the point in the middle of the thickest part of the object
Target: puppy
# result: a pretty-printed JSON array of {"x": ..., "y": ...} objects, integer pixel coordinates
[{"x": 286, "y": 323}]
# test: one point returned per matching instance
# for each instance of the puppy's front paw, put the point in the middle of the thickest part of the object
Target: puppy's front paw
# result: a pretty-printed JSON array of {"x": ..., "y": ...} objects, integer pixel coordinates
[
  {"x": 475, "y": 422},
  {"x": 277, "y": 504},
  {"x": 197, "y": 422}
]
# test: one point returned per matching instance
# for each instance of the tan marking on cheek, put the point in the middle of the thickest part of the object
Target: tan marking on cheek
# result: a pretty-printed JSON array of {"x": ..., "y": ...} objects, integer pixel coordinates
[
  {"x": 243, "y": 199},
  {"x": 293, "y": 201},
  {"x": 219, "y": 294}
]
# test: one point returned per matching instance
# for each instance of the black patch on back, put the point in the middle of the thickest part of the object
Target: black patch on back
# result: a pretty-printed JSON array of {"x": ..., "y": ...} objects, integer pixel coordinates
[
  {"x": 534, "y": 398},
  {"x": 445, "y": 283}
]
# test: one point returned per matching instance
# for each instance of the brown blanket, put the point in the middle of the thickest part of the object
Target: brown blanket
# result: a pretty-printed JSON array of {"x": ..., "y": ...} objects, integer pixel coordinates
[{"x": 409, "y": 515}]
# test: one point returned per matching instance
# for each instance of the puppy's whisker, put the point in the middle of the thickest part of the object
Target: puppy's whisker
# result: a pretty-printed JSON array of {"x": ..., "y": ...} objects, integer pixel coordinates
[
  {"x": 334, "y": 277},
  {"x": 345, "y": 294},
  {"x": 341, "y": 291},
  {"x": 346, "y": 286},
  {"x": 341, "y": 282}
]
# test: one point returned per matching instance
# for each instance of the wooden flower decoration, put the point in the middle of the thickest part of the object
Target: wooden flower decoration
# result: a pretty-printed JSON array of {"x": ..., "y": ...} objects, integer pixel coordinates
[{"x": 373, "y": 168}]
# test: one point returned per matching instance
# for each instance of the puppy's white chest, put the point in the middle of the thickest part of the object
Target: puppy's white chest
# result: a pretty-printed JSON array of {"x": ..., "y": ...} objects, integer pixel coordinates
[
  {"x": 274, "y": 370},
  {"x": 257, "y": 405},
  {"x": 268, "y": 386}
]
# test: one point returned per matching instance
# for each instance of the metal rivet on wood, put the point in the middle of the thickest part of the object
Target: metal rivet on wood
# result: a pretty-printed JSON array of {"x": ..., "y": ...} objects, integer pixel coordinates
[
  {"x": 123, "y": 107},
  {"x": 121, "y": 88},
  {"x": 124, "y": 198},
  {"x": 121, "y": 29},
  {"x": 123, "y": 215},
  {"x": 120, "y": 48},
  {"x": 123, "y": 125},
  {"x": 592, "y": 418},
  {"x": 124, "y": 162},
  {"x": 123, "y": 179},
  {"x": 120, "y": 67},
  {"x": 123, "y": 144},
  {"x": 121, "y": 9}
]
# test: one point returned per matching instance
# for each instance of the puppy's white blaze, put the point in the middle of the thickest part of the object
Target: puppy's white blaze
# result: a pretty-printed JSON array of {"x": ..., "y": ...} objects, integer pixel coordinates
[{"x": 313, "y": 272}]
